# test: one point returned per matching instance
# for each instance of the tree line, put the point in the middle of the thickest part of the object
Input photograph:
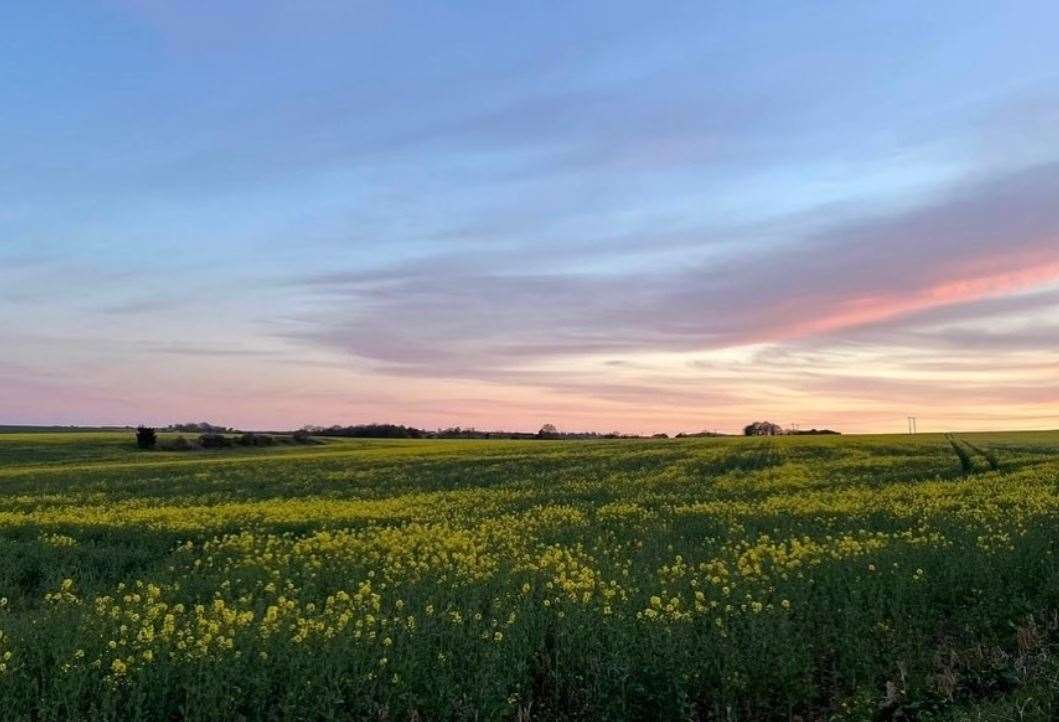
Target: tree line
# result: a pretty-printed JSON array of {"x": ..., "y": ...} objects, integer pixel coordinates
[
  {"x": 210, "y": 436},
  {"x": 398, "y": 431}
]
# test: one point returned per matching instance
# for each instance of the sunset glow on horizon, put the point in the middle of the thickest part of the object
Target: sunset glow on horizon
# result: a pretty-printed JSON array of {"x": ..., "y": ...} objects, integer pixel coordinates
[{"x": 608, "y": 216}]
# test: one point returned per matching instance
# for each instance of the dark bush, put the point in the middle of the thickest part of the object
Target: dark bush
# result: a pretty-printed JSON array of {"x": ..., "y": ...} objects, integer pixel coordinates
[
  {"x": 251, "y": 439},
  {"x": 177, "y": 444},
  {"x": 214, "y": 441},
  {"x": 301, "y": 436},
  {"x": 145, "y": 437}
]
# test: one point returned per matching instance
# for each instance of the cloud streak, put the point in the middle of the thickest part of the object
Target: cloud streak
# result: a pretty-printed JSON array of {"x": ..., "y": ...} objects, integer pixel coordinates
[{"x": 985, "y": 240}]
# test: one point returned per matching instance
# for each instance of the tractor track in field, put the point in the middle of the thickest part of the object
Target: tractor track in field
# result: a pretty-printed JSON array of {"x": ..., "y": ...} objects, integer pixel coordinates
[{"x": 966, "y": 453}]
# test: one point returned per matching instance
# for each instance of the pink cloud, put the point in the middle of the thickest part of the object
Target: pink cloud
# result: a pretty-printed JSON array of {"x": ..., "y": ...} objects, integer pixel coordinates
[{"x": 856, "y": 312}]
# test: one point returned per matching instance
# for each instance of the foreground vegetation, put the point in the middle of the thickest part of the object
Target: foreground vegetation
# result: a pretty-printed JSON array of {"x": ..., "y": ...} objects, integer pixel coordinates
[{"x": 840, "y": 578}]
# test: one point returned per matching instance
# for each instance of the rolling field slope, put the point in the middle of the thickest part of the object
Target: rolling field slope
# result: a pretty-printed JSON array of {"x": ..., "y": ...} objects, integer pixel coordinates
[{"x": 842, "y": 578}]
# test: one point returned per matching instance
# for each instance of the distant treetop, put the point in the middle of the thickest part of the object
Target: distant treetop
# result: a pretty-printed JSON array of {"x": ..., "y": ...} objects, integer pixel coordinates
[
  {"x": 762, "y": 428},
  {"x": 200, "y": 427}
]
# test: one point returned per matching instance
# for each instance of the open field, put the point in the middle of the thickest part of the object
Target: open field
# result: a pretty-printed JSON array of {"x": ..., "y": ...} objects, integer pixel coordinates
[{"x": 836, "y": 578}]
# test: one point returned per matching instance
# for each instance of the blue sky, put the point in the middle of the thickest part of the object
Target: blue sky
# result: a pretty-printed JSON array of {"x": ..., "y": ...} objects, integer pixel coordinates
[{"x": 601, "y": 215}]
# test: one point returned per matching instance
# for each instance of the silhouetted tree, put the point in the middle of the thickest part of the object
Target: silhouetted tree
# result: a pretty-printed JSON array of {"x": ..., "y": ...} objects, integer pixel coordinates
[
  {"x": 548, "y": 431},
  {"x": 146, "y": 438},
  {"x": 762, "y": 428}
]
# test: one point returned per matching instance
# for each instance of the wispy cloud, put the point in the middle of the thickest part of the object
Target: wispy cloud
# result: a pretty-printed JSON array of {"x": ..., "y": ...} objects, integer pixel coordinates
[{"x": 985, "y": 240}]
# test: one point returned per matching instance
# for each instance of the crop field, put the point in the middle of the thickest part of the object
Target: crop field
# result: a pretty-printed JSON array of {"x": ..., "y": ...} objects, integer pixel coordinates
[{"x": 813, "y": 578}]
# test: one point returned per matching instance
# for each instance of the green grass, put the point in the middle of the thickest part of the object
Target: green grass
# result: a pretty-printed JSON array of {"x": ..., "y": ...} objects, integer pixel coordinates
[{"x": 837, "y": 578}]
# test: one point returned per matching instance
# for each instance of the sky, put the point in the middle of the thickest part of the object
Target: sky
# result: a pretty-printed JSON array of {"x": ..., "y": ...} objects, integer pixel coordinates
[{"x": 622, "y": 216}]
